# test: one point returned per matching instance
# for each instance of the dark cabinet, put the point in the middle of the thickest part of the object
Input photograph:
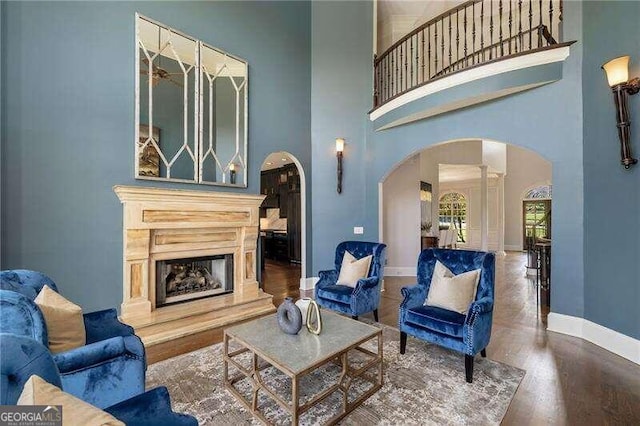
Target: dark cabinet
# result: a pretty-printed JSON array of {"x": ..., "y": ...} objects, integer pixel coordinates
[
  {"x": 294, "y": 226},
  {"x": 276, "y": 246},
  {"x": 283, "y": 198},
  {"x": 282, "y": 189},
  {"x": 289, "y": 181},
  {"x": 269, "y": 187},
  {"x": 276, "y": 185}
]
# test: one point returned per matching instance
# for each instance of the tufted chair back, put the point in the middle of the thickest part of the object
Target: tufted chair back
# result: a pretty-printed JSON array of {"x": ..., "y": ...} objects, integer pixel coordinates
[
  {"x": 360, "y": 249},
  {"x": 20, "y": 358},
  {"x": 458, "y": 261},
  {"x": 22, "y": 317},
  {"x": 25, "y": 281}
]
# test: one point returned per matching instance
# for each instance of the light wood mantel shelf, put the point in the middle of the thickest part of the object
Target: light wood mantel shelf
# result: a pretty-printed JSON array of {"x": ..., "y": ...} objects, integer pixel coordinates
[{"x": 161, "y": 224}]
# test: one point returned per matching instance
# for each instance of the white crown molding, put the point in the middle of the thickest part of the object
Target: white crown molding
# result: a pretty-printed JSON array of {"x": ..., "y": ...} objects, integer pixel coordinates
[
  {"x": 512, "y": 64},
  {"x": 613, "y": 341}
]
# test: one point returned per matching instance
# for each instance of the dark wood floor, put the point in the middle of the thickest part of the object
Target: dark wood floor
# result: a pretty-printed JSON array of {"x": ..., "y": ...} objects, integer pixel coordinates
[
  {"x": 568, "y": 380},
  {"x": 281, "y": 279}
]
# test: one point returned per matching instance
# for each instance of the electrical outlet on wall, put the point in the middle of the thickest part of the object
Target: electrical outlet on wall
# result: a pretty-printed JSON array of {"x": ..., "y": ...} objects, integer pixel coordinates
[{"x": 358, "y": 230}]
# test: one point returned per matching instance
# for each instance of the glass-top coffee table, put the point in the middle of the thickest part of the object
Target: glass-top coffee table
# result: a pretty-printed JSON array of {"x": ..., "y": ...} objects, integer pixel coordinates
[{"x": 261, "y": 344}]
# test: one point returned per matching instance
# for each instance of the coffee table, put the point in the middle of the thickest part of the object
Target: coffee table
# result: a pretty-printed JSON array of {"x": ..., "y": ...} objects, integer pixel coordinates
[{"x": 298, "y": 355}]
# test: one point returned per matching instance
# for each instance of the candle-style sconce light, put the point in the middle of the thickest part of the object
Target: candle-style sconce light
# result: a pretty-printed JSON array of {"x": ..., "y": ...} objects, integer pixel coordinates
[
  {"x": 339, "y": 150},
  {"x": 232, "y": 173},
  {"x": 617, "y": 71}
]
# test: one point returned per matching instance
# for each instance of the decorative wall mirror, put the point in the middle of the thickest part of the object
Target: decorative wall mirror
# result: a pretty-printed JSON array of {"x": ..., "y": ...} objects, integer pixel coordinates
[{"x": 191, "y": 109}]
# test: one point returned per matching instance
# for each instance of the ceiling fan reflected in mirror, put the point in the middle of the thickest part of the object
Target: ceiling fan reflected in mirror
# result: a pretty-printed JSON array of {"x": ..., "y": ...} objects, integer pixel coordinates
[{"x": 159, "y": 74}]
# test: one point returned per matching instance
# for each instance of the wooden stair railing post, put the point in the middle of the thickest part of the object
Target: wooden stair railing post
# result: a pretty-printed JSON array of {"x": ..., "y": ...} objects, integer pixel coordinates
[
  {"x": 482, "y": 29},
  {"x": 491, "y": 28},
  {"x": 540, "y": 24},
  {"x": 500, "y": 22},
  {"x": 473, "y": 34},
  {"x": 426, "y": 53}
]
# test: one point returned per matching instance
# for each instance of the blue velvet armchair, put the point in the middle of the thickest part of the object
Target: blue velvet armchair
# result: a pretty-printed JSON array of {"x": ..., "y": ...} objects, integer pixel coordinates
[
  {"x": 468, "y": 334},
  {"x": 365, "y": 297},
  {"x": 21, "y": 357},
  {"x": 111, "y": 366}
]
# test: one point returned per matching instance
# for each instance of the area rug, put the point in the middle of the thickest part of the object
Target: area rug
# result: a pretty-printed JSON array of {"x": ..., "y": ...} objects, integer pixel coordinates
[{"x": 426, "y": 386}]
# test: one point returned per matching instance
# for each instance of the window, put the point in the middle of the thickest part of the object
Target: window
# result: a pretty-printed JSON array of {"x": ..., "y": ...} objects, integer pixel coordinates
[
  {"x": 453, "y": 213},
  {"x": 536, "y": 215},
  {"x": 539, "y": 192}
]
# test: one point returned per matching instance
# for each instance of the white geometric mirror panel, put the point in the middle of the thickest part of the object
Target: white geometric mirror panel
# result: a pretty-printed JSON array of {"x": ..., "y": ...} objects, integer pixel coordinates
[{"x": 191, "y": 109}]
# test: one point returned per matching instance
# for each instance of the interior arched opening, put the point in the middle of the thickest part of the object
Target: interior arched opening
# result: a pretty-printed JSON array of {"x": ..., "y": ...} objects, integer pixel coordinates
[
  {"x": 282, "y": 225},
  {"x": 470, "y": 194}
]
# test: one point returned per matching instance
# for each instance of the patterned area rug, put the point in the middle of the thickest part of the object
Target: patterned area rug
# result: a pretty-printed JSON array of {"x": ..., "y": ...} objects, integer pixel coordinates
[{"x": 425, "y": 386}]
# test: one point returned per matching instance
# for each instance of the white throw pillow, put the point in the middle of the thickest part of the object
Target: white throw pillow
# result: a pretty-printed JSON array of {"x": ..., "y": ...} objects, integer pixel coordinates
[
  {"x": 65, "y": 323},
  {"x": 441, "y": 271},
  {"x": 452, "y": 292},
  {"x": 353, "y": 269},
  {"x": 74, "y": 411}
]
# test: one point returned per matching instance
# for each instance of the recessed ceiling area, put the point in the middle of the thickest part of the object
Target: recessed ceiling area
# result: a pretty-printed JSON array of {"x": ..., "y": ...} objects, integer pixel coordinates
[{"x": 276, "y": 160}]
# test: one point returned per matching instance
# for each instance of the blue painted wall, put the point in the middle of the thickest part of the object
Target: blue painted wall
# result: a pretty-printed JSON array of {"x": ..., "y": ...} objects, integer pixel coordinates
[
  {"x": 341, "y": 89},
  {"x": 67, "y": 75},
  {"x": 2, "y": 118},
  {"x": 547, "y": 120},
  {"x": 612, "y": 204},
  {"x": 68, "y": 129}
]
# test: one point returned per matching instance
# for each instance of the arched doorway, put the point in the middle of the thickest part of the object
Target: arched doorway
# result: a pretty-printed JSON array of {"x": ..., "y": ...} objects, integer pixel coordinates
[
  {"x": 454, "y": 172},
  {"x": 282, "y": 225}
]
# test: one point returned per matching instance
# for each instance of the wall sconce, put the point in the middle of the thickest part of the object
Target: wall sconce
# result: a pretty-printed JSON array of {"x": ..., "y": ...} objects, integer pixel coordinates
[
  {"x": 232, "y": 173},
  {"x": 339, "y": 150},
  {"x": 617, "y": 71}
]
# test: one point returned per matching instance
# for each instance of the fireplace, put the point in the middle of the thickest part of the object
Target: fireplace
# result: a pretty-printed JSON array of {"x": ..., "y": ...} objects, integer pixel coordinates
[
  {"x": 201, "y": 247},
  {"x": 179, "y": 280}
]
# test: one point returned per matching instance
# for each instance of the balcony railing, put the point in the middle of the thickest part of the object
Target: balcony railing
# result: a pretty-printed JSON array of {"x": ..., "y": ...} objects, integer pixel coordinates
[{"x": 472, "y": 34}]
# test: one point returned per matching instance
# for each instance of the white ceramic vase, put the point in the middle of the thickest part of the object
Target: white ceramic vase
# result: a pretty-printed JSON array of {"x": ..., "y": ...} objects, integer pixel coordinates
[{"x": 303, "y": 304}]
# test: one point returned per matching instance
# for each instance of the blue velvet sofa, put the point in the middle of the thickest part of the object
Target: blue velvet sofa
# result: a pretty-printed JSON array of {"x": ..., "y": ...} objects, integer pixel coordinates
[
  {"x": 468, "y": 334},
  {"x": 111, "y": 366},
  {"x": 21, "y": 357},
  {"x": 365, "y": 297}
]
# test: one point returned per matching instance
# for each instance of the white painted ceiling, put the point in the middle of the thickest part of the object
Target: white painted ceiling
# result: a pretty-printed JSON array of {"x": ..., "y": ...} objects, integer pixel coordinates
[{"x": 276, "y": 160}]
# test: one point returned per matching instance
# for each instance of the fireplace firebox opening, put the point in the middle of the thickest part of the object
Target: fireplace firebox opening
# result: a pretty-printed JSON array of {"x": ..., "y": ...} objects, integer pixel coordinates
[{"x": 179, "y": 280}]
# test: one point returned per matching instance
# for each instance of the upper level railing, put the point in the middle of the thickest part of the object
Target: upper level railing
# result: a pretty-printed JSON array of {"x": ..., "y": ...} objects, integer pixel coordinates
[{"x": 472, "y": 34}]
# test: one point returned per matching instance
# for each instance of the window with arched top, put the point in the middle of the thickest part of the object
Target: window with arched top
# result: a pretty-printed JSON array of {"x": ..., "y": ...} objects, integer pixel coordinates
[
  {"x": 536, "y": 215},
  {"x": 540, "y": 192},
  {"x": 453, "y": 213}
]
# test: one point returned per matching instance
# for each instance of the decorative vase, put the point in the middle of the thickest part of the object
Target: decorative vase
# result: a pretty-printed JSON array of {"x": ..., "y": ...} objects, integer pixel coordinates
[
  {"x": 303, "y": 304},
  {"x": 314, "y": 319},
  {"x": 289, "y": 317}
]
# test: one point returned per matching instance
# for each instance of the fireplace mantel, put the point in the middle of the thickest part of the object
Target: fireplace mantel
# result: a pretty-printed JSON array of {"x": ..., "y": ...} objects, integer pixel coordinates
[{"x": 160, "y": 224}]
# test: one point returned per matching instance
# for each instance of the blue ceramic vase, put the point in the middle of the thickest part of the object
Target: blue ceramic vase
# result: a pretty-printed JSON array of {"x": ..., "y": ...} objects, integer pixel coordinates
[{"x": 289, "y": 317}]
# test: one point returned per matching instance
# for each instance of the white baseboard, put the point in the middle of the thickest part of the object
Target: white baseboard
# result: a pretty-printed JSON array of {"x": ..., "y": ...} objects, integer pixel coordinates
[
  {"x": 613, "y": 341},
  {"x": 308, "y": 283},
  {"x": 399, "y": 271}
]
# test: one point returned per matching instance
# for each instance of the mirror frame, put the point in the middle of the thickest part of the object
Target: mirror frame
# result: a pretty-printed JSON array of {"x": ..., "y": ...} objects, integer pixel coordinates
[
  {"x": 241, "y": 150},
  {"x": 198, "y": 119}
]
